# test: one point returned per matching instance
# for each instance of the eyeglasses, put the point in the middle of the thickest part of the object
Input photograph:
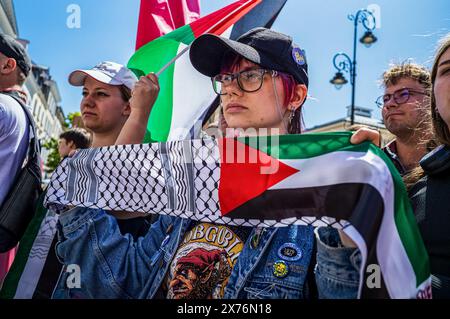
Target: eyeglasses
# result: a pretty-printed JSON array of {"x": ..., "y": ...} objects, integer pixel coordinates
[
  {"x": 248, "y": 81},
  {"x": 400, "y": 96}
]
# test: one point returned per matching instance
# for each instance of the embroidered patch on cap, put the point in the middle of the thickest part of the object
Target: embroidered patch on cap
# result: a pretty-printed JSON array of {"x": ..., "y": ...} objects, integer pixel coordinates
[{"x": 299, "y": 56}]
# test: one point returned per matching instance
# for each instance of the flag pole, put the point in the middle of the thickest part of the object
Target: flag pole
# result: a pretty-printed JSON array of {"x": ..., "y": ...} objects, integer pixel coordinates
[
  {"x": 188, "y": 47},
  {"x": 172, "y": 60}
]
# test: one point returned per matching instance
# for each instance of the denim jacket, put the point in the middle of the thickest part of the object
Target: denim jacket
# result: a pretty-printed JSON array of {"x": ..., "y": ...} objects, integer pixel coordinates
[{"x": 112, "y": 265}]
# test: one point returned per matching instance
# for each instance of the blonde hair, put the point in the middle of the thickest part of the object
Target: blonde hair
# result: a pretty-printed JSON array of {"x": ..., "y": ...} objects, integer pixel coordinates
[{"x": 409, "y": 70}]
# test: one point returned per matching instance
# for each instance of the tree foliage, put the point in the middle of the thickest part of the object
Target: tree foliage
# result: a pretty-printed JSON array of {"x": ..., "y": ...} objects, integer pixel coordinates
[
  {"x": 70, "y": 117},
  {"x": 53, "y": 158}
]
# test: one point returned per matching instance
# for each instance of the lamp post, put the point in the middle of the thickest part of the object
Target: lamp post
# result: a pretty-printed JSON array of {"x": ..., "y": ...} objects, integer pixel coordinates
[{"x": 342, "y": 61}]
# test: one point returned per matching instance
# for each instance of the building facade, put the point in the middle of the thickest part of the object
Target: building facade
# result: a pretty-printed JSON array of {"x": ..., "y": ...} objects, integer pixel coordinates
[
  {"x": 44, "y": 98},
  {"x": 363, "y": 117},
  {"x": 8, "y": 22},
  {"x": 44, "y": 101}
]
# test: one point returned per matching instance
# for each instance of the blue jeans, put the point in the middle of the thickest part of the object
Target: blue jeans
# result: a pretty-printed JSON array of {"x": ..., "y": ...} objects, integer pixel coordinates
[
  {"x": 337, "y": 269},
  {"x": 113, "y": 265}
]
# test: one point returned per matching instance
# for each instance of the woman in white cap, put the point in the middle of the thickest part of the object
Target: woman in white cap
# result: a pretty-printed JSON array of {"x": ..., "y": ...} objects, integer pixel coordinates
[{"x": 112, "y": 95}]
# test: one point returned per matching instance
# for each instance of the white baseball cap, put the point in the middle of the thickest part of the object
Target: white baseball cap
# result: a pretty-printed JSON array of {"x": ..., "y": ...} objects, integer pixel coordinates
[{"x": 106, "y": 72}]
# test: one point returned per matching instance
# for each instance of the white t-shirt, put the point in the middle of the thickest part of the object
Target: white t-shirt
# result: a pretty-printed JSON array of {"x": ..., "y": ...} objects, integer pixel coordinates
[{"x": 14, "y": 138}]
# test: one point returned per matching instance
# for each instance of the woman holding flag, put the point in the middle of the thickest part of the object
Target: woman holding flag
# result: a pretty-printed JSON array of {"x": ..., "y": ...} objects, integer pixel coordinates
[
  {"x": 111, "y": 96},
  {"x": 262, "y": 79}
]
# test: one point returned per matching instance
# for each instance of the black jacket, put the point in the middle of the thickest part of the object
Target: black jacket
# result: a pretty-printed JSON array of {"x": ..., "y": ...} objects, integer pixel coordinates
[{"x": 430, "y": 198}]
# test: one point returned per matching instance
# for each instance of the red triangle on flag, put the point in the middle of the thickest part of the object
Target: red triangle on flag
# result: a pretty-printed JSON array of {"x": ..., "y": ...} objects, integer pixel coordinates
[{"x": 246, "y": 173}]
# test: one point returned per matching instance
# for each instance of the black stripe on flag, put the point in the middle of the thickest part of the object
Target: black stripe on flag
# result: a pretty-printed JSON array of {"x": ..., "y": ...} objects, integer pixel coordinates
[{"x": 360, "y": 204}]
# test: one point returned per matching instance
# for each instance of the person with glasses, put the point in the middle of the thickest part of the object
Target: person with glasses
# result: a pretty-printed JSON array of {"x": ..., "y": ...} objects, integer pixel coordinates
[
  {"x": 405, "y": 112},
  {"x": 404, "y": 107},
  {"x": 262, "y": 80},
  {"x": 429, "y": 194}
]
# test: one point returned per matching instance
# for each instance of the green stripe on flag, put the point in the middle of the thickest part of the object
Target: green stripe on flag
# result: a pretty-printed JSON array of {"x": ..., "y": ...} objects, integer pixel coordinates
[
  {"x": 406, "y": 223},
  {"x": 407, "y": 228},
  {"x": 303, "y": 146},
  {"x": 11, "y": 282},
  {"x": 151, "y": 58}
]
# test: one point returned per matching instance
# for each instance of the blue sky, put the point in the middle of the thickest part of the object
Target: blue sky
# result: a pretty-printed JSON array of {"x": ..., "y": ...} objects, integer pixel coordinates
[{"x": 408, "y": 29}]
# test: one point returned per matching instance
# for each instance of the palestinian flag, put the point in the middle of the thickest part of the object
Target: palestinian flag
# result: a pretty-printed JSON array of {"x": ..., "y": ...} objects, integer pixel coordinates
[
  {"x": 329, "y": 177},
  {"x": 185, "y": 93},
  {"x": 310, "y": 179}
]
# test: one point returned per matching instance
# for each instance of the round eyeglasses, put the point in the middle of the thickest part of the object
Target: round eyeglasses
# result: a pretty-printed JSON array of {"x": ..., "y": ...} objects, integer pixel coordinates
[
  {"x": 248, "y": 80},
  {"x": 400, "y": 96}
]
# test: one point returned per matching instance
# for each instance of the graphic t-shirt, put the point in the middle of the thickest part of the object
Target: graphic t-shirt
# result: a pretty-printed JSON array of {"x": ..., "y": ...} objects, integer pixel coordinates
[{"x": 204, "y": 261}]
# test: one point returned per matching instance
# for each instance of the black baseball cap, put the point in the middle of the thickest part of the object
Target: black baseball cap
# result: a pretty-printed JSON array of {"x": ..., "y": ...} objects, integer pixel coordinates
[
  {"x": 13, "y": 49},
  {"x": 270, "y": 49}
]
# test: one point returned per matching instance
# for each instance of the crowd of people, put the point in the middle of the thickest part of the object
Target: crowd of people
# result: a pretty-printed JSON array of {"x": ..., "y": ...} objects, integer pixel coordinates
[{"x": 262, "y": 80}]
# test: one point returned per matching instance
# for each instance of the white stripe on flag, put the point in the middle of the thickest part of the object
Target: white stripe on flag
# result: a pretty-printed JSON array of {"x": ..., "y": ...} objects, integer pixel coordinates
[
  {"x": 192, "y": 94},
  {"x": 357, "y": 238},
  {"x": 37, "y": 257}
]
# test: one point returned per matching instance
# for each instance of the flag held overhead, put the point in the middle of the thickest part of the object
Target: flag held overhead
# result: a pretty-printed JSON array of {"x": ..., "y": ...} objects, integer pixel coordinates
[{"x": 185, "y": 94}]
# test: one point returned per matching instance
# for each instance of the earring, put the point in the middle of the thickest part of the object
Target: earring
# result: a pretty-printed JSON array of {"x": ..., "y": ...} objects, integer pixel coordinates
[{"x": 291, "y": 115}]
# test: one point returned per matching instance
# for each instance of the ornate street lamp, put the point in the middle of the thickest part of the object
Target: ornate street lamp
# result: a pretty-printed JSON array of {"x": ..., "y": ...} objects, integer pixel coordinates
[{"x": 342, "y": 61}]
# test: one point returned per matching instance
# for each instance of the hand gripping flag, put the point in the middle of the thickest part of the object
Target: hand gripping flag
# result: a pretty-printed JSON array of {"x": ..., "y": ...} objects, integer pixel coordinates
[
  {"x": 311, "y": 179},
  {"x": 185, "y": 93}
]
